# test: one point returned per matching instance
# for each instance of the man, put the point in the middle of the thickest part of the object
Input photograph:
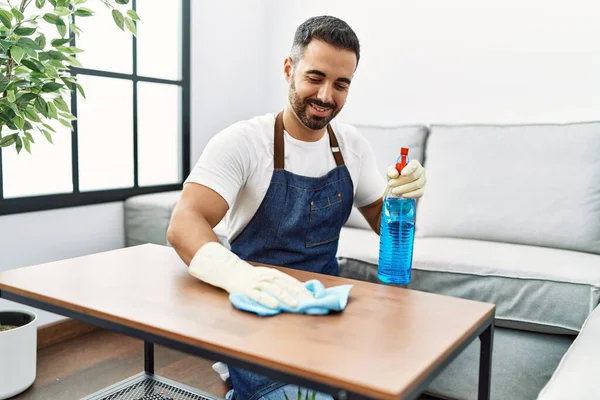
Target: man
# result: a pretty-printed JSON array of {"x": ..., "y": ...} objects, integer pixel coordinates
[{"x": 289, "y": 181}]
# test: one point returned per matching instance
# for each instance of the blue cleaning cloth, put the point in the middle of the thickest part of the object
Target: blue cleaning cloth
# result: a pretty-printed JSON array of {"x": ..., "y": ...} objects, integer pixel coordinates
[{"x": 324, "y": 300}]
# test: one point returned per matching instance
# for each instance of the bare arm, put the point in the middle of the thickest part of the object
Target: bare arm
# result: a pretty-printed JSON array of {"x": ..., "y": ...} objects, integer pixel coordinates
[
  {"x": 197, "y": 212},
  {"x": 372, "y": 214}
]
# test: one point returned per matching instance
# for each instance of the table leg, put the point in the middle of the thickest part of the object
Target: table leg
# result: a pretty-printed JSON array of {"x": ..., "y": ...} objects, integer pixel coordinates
[
  {"x": 149, "y": 357},
  {"x": 485, "y": 362}
]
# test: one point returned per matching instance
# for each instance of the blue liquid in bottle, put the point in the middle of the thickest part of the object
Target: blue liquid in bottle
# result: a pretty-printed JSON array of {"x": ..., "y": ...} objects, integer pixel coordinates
[{"x": 396, "y": 238}]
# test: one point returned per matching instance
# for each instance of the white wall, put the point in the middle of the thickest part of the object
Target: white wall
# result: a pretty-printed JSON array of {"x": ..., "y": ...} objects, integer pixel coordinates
[
  {"x": 45, "y": 236},
  {"x": 228, "y": 66},
  {"x": 458, "y": 61}
]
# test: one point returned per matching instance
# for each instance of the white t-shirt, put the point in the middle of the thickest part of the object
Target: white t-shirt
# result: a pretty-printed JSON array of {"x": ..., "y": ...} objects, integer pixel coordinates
[{"x": 237, "y": 163}]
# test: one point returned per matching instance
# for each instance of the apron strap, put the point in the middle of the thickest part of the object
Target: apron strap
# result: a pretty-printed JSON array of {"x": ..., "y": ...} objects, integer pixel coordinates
[{"x": 279, "y": 148}]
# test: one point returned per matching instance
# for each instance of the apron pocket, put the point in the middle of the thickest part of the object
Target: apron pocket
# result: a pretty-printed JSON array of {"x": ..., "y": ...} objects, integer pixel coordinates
[{"x": 325, "y": 220}]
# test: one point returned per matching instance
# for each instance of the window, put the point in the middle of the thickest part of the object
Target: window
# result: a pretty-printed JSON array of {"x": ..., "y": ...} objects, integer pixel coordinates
[{"x": 131, "y": 135}]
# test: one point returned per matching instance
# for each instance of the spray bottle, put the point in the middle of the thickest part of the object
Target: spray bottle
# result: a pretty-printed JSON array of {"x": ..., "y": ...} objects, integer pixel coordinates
[{"x": 397, "y": 233}]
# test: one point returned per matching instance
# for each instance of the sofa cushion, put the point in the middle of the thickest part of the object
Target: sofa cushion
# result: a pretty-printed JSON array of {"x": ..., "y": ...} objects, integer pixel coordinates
[
  {"x": 534, "y": 288},
  {"x": 525, "y": 184},
  {"x": 147, "y": 218},
  {"x": 386, "y": 142},
  {"x": 576, "y": 376}
]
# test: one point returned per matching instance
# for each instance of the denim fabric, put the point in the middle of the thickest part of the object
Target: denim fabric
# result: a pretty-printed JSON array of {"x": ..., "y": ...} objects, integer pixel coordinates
[
  {"x": 299, "y": 221},
  {"x": 296, "y": 226}
]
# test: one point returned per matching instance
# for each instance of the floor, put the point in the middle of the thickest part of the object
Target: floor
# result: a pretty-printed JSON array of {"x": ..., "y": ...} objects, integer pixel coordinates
[{"x": 78, "y": 367}]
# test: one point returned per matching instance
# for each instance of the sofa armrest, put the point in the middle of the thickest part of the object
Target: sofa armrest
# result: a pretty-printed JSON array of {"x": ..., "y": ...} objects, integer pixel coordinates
[{"x": 576, "y": 377}]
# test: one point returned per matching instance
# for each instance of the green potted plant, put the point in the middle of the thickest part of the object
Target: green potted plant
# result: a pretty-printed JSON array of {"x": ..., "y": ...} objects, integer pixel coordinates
[
  {"x": 35, "y": 85},
  {"x": 35, "y": 69}
]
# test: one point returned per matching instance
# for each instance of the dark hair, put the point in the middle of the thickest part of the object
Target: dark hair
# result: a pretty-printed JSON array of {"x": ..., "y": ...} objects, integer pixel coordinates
[{"x": 330, "y": 30}]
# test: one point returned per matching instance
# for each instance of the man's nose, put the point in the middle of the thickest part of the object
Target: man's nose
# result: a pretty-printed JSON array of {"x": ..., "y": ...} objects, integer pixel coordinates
[{"x": 326, "y": 94}]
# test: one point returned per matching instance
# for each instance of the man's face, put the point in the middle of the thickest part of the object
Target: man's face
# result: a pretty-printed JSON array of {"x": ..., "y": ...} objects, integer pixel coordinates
[{"x": 319, "y": 83}]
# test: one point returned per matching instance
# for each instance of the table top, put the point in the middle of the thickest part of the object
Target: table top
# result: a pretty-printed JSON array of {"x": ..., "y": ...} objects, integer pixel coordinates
[{"x": 384, "y": 344}]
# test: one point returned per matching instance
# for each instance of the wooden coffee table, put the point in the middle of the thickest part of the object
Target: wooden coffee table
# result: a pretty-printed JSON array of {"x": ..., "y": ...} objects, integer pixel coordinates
[{"x": 389, "y": 343}]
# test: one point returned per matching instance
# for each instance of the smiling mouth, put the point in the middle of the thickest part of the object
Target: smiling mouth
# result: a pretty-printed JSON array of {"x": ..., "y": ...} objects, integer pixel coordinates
[{"x": 320, "y": 110}]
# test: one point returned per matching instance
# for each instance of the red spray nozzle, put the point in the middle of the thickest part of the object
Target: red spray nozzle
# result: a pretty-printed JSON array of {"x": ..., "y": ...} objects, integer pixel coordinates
[{"x": 403, "y": 156}]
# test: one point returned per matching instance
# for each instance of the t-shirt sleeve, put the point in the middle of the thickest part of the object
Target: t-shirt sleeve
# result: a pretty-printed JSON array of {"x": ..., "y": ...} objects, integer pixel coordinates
[
  {"x": 224, "y": 164},
  {"x": 371, "y": 182}
]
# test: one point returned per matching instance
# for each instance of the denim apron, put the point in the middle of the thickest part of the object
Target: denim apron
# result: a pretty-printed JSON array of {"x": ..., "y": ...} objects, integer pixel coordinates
[{"x": 297, "y": 226}]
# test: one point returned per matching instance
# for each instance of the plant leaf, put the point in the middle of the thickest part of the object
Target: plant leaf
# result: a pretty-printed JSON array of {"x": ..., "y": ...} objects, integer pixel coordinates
[
  {"x": 133, "y": 15},
  {"x": 69, "y": 50},
  {"x": 48, "y": 127},
  {"x": 59, "y": 42},
  {"x": 19, "y": 144},
  {"x": 131, "y": 26},
  {"x": 51, "y": 71},
  {"x": 5, "y": 44},
  {"x": 18, "y": 14},
  {"x": 77, "y": 2},
  {"x": 74, "y": 62},
  {"x": 57, "y": 55},
  {"x": 81, "y": 91},
  {"x": 32, "y": 115},
  {"x": 51, "y": 87},
  {"x": 29, "y": 137},
  {"x": 52, "y": 111},
  {"x": 26, "y": 98},
  {"x": 11, "y": 96},
  {"x": 19, "y": 121},
  {"x": 122, "y": 1},
  {"x": 28, "y": 43},
  {"x": 16, "y": 53},
  {"x": 25, "y": 30},
  {"x": 8, "y": 140},
  {"x": 34, "y": 65},
  {"x": 47, "y": 135},
  {"x": 27, "y": 144},
  {"x": 65, "y": 123},
  {"x": 51, "y": 18},
  {"x": 30, "y": 52},
  {"x": 118, "y": 18},
  {"x": 41, "y": 41},
  {"x": 62, "y": 28},
  {"x": 84, "y": 12},
  {"x": 40, "y": 3},
  {"x": 62, "y": 11},
  {"x": 41, "y": 106},
  {"x": 6, "y": 18},
  {"x": 61, "y": 104},
  {"x": 68, "y": 116}
]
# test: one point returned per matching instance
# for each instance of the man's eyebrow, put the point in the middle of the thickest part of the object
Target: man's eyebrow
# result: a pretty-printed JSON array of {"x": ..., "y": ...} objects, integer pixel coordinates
[{"x": 321, "y": 73}]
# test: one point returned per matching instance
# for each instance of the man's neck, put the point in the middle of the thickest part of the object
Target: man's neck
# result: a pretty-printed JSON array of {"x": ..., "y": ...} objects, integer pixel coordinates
[{"x": 296, "y": 128}]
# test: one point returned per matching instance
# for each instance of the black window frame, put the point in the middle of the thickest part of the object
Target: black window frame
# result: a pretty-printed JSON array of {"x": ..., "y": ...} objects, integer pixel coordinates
[{"x": 76, "y": 198}]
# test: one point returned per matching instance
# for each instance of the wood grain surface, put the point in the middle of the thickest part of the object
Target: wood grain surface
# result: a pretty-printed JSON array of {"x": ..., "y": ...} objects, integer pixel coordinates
[{"x": 383, "y": 344}]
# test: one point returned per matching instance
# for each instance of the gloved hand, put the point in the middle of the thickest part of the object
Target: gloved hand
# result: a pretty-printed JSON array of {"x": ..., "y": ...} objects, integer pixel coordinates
[
  {"x": 217, "y": 266},
  {"x": 410, "y": 183}
]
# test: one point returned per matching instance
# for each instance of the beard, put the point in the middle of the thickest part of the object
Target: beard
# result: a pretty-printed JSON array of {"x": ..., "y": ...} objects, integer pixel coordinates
[{"x": 302, "y": 109}]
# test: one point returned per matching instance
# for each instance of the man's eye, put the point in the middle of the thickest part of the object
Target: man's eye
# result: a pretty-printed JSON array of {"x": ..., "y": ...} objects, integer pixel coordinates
[
  {"x": 314, "y": 80},
  {"x": 342, "y": 87}
]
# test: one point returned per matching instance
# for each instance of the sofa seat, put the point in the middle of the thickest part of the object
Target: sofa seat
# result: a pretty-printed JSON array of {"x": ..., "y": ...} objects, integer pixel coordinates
[
  {"x": 576, "y": 375},
  {"x": 534, "y": 288},
  {"x": 147, "y": 218}
]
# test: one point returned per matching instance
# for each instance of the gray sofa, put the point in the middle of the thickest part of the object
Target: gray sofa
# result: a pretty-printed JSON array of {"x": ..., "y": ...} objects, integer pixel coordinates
[{"x": 511, "y": 216}]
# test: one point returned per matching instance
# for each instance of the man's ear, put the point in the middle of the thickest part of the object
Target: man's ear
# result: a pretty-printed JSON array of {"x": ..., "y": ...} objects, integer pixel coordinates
[{"x": 288, "y": 69}]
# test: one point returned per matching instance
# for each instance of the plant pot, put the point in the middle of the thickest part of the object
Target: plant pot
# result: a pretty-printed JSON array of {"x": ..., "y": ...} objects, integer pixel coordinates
[{"x": 18, "y": 352}]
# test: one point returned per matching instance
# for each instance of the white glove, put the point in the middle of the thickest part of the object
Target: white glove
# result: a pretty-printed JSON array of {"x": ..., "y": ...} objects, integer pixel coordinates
[
  {"x": 410, "y": 183},
  {"x": 217, "y": 266}
]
